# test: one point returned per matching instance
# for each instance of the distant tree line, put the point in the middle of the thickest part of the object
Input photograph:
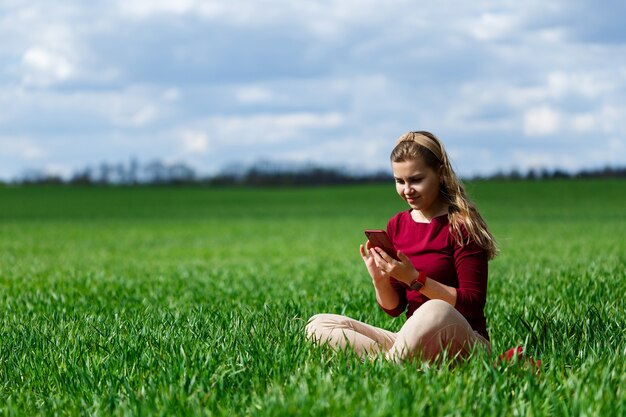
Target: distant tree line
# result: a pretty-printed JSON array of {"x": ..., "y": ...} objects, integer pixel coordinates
[
  {"x": 546, "y": 174},
  {"x": 263, "y": 173}
]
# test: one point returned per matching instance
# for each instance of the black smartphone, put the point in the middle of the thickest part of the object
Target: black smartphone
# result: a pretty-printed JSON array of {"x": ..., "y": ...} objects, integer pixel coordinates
[{"x": 380, "y": 239}]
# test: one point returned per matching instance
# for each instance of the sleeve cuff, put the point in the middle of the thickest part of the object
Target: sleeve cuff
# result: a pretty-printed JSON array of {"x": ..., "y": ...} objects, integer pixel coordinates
[{"x": 395, "y": 312}]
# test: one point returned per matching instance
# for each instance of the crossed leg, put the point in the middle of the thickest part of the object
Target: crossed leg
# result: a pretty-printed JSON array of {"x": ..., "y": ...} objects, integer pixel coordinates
[{"x": 435, "y": 326}]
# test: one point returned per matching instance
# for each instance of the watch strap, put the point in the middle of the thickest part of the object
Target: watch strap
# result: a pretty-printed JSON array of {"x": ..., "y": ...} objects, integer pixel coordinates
[{"x": 418, "y": 282}]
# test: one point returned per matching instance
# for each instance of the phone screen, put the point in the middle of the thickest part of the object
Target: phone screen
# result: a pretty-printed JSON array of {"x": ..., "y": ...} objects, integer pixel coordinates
[{"x": 380, "y": 239}]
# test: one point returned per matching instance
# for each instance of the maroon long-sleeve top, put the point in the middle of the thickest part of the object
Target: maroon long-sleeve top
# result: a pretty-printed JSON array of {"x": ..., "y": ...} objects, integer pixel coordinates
[{"x": 432, "y": 249}]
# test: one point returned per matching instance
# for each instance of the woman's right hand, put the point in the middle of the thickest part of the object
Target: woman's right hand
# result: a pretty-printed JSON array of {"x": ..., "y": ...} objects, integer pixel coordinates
[{"x": 378, "y": 276}]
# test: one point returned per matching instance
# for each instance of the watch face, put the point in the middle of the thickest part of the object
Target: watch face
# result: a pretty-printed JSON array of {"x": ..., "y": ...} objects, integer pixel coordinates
[{"x": 416, "y": 285}]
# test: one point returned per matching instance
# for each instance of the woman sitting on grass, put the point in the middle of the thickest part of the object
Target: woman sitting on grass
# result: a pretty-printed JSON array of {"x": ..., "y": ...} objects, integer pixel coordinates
[{"x": 440, "y": 279}]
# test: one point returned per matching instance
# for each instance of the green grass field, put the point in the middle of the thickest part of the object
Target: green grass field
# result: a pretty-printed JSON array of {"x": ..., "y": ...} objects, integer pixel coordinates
[{"x": 191, "y": 301}]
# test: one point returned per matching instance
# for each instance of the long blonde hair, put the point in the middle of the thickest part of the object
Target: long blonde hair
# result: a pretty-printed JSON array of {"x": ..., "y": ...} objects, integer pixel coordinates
[{"x": 462, "y": 213}]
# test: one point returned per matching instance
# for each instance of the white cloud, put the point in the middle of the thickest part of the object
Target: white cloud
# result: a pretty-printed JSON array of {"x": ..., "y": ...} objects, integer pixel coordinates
[
  {"x": 325, "y": 19},
  {"x": 360, "y": 154},
  {"x": 135, "y": 107},
  {"x": 611, "y": 119},
  {"x": 557, "y": 86},
  {"x": 604, "y": 120},
  {"x": 194, "y": 141},
  {"x": 467, "y": 159},
  {"x": 588, "y": 85},
  {"x": 583, "y": 123},
  {"x": 171, "y": 94},
  {"x": 51, "y": 43},
  {"x": 253, "y": 95},
  {"x": 263, "y": 129},
  {"x": 542, "y": 121},
  {"x": 144, "y": 116},
  {"x": 494, "y": 26},
  {"x": 20, "y": 147},
  {"x": 144, "y": 8},
  {"x": 553, "y": 35},
  {"x": 43, "y": 67},
  {"x": 537, "y": 159}
]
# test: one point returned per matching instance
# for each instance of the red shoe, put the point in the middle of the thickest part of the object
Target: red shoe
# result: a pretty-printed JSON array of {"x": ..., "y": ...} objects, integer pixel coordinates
[{"x": 518, "y": 353}]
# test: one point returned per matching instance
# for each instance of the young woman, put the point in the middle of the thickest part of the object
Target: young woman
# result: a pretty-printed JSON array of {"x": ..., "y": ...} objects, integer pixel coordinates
[{"x": 440, "y": 279}]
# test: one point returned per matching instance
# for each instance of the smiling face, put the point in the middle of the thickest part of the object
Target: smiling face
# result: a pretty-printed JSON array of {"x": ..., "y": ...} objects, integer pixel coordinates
[{"x": 418, "y": 185}]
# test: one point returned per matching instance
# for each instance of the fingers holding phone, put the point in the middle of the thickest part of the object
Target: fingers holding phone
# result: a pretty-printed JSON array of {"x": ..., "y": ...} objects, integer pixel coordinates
[
  {"x": 383, "y": 261},
  {"x": 375, "y": 272},
  {"x": 402, "y": 270},
  {"x": 380, "y": 239}
]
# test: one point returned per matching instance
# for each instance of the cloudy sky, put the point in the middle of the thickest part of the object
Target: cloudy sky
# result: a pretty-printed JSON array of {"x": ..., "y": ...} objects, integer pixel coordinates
[{"x": 211, "y": 83}]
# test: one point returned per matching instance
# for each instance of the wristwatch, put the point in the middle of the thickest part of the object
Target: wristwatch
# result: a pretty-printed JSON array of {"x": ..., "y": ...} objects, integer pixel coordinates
[{"x": 418, "y": 282}]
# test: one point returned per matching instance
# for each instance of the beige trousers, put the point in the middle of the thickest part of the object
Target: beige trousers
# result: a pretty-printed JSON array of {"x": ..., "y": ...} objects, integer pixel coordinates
[{"x": 433, "y": 327}]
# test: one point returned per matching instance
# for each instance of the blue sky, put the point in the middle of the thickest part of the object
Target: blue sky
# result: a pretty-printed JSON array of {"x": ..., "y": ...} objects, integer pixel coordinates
[{"x": 505, "y": 84}]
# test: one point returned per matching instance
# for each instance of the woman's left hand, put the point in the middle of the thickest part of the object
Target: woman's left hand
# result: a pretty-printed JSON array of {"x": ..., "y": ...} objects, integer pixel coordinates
[{"x": 402, "y": 270}]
